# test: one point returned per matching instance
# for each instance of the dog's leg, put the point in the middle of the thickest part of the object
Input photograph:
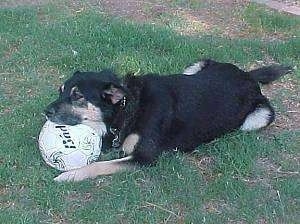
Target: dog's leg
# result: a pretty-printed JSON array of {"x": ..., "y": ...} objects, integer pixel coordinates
[
  {"x": 197, "y": 67},
  {"x": 194, "y": 68},
  {"x": 130, "y": 143},
  {"x": 261, "y": 117},
  {"x": 96, "y": 169}
]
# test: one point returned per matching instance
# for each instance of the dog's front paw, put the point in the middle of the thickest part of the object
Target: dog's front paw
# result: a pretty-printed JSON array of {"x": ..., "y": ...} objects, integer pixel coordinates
[{"x": 72, "y": 176}]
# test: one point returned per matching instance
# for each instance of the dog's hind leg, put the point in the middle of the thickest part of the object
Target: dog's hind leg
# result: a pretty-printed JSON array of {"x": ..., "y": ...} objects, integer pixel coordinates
[
  {"x": 262, "y": 116},
  {"x": 96, "y": 169},
  {"x": 197, "y": 67}
]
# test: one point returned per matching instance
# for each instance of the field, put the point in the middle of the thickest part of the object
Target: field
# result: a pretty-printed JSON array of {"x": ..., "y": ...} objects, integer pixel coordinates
[{"x": 240, "y": 178}]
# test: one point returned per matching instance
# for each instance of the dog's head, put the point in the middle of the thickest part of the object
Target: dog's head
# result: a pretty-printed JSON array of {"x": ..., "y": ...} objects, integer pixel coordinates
[{"x": 87, "y": 98}]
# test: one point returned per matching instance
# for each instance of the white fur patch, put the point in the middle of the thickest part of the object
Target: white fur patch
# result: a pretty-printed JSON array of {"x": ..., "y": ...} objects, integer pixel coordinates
[
  {"x": 257, "y": 119},
  {"x": 62, "y": 88},
  {"x": 193, "y": 69},
  {"x": 91, "y": 116},
  {"x": 130, "y": 143}
]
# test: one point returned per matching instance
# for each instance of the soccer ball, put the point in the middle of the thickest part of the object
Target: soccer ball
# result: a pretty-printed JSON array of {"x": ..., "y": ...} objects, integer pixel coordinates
[{"x": 66, "y": 147}]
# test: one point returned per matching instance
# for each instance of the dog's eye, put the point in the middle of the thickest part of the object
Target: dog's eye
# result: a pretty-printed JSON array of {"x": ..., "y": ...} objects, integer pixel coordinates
[
  {"x": 76, "y": 95},
  {"x": 106, "y": 98}
]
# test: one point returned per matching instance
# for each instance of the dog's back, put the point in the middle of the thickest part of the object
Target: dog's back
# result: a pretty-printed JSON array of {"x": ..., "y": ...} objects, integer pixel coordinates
[{"x": 198, "y": 108}]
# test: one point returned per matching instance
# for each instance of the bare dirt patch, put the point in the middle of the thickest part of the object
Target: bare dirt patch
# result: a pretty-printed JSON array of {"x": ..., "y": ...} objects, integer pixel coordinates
[
  {"x": 287, "y": 90},
  {"x": 217, "y": 206},
  {"x": 204, "y": 164},
  {"x": 3, "y": 190},
  {"x": 15, "y": 3},
  {"x": 272, "y": 170},
  {"x": 289, "y": 6},
  {"x": 13, "y": 48},
  {"x": 222, "y": 17},
  {"x": 128, "y": 8},
  {"x": 212, "y": 16}
]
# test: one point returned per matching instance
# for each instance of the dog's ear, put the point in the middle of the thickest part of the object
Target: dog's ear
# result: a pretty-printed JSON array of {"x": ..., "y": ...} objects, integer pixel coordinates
[{"x": 113, "y": 93}]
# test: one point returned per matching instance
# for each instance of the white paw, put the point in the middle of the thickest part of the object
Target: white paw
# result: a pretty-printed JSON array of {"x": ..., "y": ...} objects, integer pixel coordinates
[{"x": 72, "y": 176}]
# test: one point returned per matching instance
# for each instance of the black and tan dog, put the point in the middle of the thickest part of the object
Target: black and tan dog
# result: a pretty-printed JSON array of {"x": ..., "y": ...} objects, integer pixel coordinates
[{"x": 155, "y": 113}]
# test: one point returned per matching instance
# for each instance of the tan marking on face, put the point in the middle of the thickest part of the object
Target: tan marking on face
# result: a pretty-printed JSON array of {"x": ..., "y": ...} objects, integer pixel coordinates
[
  {"x": 115, "y": 94},
  {"x": 91, "y": 116},
  {"x": 130, "y": 143},
  {"x": 89, "y": 112}
]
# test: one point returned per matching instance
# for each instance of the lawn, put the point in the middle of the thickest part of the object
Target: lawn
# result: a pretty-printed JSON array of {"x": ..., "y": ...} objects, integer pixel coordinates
[{"x": 240, "y": 178}]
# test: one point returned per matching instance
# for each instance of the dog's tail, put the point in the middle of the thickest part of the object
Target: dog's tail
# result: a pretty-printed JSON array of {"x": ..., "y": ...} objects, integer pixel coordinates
[{"x": 268, "y": 74}]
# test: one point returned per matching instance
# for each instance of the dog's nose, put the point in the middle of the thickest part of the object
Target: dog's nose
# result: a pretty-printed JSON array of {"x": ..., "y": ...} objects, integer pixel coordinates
[{"x": 49, "y": 112}]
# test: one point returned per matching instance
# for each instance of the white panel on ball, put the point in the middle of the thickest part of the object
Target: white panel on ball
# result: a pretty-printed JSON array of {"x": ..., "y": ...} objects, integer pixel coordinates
[{"x": 67, "y": 147}]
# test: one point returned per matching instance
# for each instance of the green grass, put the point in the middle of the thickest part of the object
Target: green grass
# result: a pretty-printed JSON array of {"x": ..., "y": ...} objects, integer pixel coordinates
[
  {"x": 264, "y": 20},
  {"x": 36, "y": 55}
]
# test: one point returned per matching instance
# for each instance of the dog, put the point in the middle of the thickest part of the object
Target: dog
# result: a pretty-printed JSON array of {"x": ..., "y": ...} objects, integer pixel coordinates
[{"x": 152, "y": 114}]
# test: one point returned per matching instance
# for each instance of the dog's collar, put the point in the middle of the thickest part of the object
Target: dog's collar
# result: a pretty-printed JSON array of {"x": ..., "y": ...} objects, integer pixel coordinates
[
  {"x": 116, "y": 133},
  {"x": 123, "y": 102}
]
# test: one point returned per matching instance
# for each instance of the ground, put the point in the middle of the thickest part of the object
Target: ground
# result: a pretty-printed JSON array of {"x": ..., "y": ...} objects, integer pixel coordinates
[{"x": 240, "y": 178}]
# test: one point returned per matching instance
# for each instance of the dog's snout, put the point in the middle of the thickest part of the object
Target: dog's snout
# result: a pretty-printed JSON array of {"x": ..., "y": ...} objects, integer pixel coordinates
[{"x": 50, "y": 111}]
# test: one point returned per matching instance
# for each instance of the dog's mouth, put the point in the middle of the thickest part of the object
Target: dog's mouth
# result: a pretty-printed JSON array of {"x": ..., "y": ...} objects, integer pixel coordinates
[{"x": 72, "y": 120}]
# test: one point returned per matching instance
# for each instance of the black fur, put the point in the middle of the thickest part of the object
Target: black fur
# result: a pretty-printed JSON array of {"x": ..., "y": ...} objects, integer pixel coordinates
[
  {"x": 266, "y": 75},
  {"x": 177, "y": 111},
  {"x": 182, "y": 112}
]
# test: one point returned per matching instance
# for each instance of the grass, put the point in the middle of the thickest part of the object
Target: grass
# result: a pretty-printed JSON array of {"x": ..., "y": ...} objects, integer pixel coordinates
[
  {"x": 263, "y": 20},
  {"x": 37, "y": 53}
]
